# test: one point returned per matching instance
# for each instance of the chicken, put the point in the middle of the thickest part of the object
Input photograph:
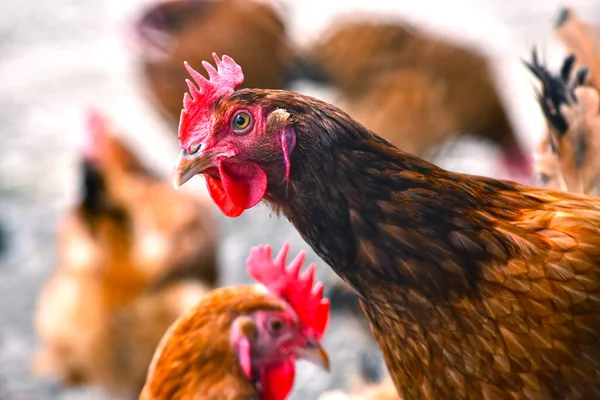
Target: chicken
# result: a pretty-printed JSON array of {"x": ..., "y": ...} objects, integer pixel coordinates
[
  {"x": 115, "y": 292},
  {"x": 174, "y": 31},
  {"x": 474, "y": 287},
  {"x": 174, "y": 235},
  {"x": 241, "y": 342},
  {"x": 444, "y": 89},
  {"x": 566, "y": 158},
  {"x": 582, "y": 40}
]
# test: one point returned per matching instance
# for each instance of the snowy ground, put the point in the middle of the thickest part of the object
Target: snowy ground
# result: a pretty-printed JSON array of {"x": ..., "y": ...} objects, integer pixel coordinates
[{"x": 57, "y": 57}]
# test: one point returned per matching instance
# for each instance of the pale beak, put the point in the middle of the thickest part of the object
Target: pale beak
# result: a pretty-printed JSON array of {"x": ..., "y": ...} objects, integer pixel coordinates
[
  {"x": 315, "y": 355},
  {"x": 189, "y": 165}
]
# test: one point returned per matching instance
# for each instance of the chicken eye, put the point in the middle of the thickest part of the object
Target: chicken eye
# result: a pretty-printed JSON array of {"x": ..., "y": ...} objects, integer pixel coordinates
[
  {"x": 275, "y": 326},
  {"x": 241, "y": 121}
]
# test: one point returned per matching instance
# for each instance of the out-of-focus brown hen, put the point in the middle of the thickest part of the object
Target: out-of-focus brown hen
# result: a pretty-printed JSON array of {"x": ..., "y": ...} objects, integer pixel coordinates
[
  {"x": 190, "y": 30},
  {"x": 568, "y": 158},
  {"x": 129, "y": 265},
  {"x": 173, "y": 234},
  {"x": 416, "y": 90},
  {"x": 241, "y": 343},
  {"x": 474, "y": 287}
]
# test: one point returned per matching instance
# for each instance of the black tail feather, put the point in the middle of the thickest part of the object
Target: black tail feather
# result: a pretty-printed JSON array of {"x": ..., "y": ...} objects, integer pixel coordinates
[{"x": 557, "y": 90}]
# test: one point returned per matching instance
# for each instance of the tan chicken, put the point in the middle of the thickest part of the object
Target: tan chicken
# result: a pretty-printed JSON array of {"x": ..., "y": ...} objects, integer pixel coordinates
[
  {"x": 131, "y": 259},
  {"x": 567, "y": 157}
]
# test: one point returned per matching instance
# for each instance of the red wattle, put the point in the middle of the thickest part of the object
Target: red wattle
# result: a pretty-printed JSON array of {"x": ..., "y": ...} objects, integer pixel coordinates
[
  {"x": 217, "y": 193},
  {"x": 277, "y": 381},
  {"x": 242, "y": 186}
]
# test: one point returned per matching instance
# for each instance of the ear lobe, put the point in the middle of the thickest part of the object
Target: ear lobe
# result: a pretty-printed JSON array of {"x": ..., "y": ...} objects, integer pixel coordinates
[
  {"x": 277, "y": 122},
  {"x": 243, "y": 331},
  {"x": 287, "y": 138},
  {"x": 244, "y": 356}
]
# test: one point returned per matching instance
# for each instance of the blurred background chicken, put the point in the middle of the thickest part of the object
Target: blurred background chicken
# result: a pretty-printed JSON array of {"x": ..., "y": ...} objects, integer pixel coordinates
[
  {"x": 171, "y": 32},
  {"x": 440, "y": 88},
  {"x": 132, "y": 258}
]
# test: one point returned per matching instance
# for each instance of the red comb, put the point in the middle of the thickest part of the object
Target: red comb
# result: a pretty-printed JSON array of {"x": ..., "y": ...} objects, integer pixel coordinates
[
  {"x": 196, "y": 104},
  {"x": 96, "y": 127},
  {"x": 287, "y": 282}
]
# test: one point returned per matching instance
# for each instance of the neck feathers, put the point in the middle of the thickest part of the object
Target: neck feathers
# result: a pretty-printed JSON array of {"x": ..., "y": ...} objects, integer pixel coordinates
[{"x": 377, "y": 214}]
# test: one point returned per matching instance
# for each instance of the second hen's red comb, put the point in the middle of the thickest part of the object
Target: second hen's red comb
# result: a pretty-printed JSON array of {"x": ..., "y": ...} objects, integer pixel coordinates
[
  {"x": 289, "y": 284},
  {"x": 97, "y": 125},
  {"x": 196, "y": 104}
]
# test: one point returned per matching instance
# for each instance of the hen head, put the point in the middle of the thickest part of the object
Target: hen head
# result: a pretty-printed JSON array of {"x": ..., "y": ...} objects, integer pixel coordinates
[
  {"x": 105, "y": 150},
  {"x": 244, "y": 340},
  {"x": 235, "y": 138},
  {"x": 268, "y": 341}
]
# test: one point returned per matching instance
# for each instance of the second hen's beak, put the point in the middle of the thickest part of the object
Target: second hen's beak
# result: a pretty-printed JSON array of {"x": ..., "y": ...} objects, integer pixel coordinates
[
  {"x": 315, "y": 354},
  {"x": 188, "y": 165}
]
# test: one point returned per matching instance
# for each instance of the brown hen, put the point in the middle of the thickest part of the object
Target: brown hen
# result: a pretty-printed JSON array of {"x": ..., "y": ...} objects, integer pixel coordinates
[
  {"x": 475, "y": 288},
  {"x": 241, "y": 343}
]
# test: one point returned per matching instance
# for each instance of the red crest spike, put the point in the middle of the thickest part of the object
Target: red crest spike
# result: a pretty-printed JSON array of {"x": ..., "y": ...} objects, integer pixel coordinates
[
  {"x": 288, "y": 283},
  {"x": 195, "y": 115}
]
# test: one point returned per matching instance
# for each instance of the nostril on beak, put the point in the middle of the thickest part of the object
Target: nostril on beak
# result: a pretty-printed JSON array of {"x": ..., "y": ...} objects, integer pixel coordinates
[{"x": 195, "y": 148}]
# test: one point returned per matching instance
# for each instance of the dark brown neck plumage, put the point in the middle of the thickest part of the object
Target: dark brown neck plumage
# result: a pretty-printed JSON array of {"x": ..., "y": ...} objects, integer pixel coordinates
[{"x": 376, "y": 214}]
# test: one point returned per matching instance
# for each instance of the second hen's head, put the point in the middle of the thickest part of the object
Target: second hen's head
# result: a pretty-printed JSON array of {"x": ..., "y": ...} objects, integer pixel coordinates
[{"x": 261, "y": 329}]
